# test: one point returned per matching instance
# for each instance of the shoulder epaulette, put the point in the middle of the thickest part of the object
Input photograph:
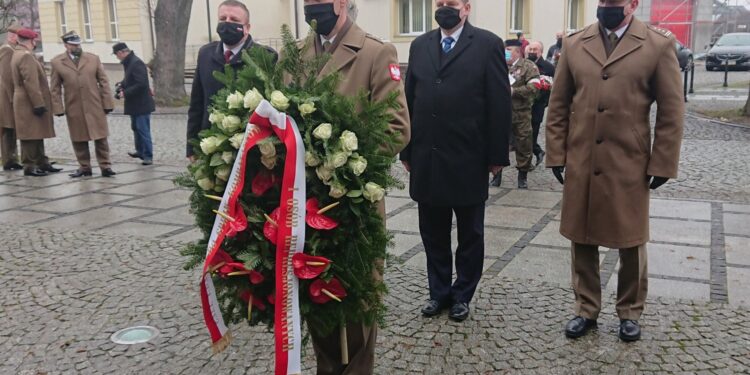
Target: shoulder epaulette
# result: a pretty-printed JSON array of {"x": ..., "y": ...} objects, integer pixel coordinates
[
  {"x": 663, "y": 32},
  {"x": 373, "y": 37}
]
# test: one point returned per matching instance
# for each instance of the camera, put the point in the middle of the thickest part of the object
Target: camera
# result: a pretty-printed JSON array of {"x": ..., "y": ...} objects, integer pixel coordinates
[{"x": 118, "y": 90}]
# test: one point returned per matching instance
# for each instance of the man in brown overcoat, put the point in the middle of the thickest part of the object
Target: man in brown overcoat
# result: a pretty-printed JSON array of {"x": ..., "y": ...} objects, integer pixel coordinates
[
  {"x": 79, "y": 78},
  {"x": 31, "y": 105},
  {"x": 598, "y": 135},
  {"x": 8, "y": 141},
  {"x": 364, "y": 62}
]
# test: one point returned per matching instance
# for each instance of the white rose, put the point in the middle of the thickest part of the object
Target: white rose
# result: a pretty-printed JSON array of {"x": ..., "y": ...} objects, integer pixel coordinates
[
  {"x": 324, "y": 174},
  {"x": 206, "y": 183},
  {"x": 338, "y": 159},
  {"x": 348, "y": 141},
  {"x": 228, "y": 157},
  {"x": 216, "y": 118},
  {"x": 231, "y": 124},
  {"x": 199, "y": 173},
  {"x": 337, "y": 190},
  {"x": 279, "y": 101},
  {"x": 373, "y": 192},
  {"x": 357, "y": 164},
  {"x": 311, "y": 160},
  {"x": 235, "y": 100},
  {"x": 268, "y": 161},
  {"x": 236, "y": 140},
  {"x": 323, "y": 131},
  {"x": 267, "y": 149},
  {"x": 306, "y": 108},
  {"x": 209, "y": 145},
  {"x": 220, "y": 186},
  {"x": 252, "y": 99},
  {"x": 222, "y": 172}
]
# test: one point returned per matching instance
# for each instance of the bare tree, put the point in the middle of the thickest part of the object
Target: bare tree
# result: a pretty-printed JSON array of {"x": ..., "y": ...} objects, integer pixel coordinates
[
  {"x": 171, "y": 19},
  {"x": 7, "y": 14}
]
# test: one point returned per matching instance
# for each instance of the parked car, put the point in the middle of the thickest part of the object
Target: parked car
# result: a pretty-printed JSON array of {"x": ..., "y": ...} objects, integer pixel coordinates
[
  {"x": 732, "y": 48},
  {"x": 684, "y": 56}
]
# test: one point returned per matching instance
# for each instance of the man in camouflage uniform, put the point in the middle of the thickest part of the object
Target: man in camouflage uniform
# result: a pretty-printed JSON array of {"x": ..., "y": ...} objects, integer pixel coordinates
[{"x": 524, "y": 76}]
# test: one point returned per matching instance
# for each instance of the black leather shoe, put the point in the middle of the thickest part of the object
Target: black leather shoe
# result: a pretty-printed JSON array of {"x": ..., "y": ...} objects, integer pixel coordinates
[
  {"x": 540, "y": 157},
  {"x": 49, "y": 168},
  {"x": 522, "y": 183},
  {"x": 35, "y": 172},
  {"x": 80, "y": 173},
  {"x": 134, "y": 155},
  {"x": 629, "y": 330},
  {"x": 578, "y": 327},
  {"x": 432, "y": 307},
  {"x": 459, "y": 312},
  {"x": 12, "y": 166},
  {"x": 108, "y": 172},
  {"x": 497, "y": 179}
]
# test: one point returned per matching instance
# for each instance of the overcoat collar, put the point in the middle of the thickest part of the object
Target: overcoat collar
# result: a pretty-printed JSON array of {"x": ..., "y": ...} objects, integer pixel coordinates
[
  {"x": 630, "y": 41},
  {"x": 218, "y": 55},
  {"x": 442, "y": 62},
  {"x": 67, "y": 61},
  {"x": 351, "y": 42}
]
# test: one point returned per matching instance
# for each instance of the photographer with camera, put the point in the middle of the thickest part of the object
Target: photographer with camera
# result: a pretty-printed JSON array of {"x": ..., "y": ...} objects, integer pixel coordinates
[{"x": 139, "y": 103}]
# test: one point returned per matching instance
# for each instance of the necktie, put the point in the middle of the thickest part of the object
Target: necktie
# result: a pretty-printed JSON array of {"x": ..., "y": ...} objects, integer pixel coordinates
[
  {"x": 227, "y": 56},
  {"x": 612, "y": 42},
  {"x": 326, "y": 45},
  {"x": 448, "y": 44}
]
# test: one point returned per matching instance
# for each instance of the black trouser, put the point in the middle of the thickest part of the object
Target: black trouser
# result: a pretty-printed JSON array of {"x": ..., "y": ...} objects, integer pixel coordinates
[
  {"x": 435, "y": 224},
  {"x": 536, "y": 150}
]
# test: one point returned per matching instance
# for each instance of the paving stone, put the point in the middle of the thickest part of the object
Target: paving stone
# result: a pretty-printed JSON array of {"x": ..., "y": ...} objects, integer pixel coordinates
[
  {"x": 78, "y": 203},
  {"x": 168, "y": 199},
  {"x": 407, "y": 220},
  {"x": 22, "y": 217},
  {"x": 513, "y": 217},
  {"x": 551, "y": 265},
  {"x": 394, "y": 203},
  {"x": 62, "y": 191},
  {"x": 187, "y": 236},
  {"x": 737, "y": 250},
  {"x": 96, "y": 218},
  {"x": 745, "y": 208},
  {"x": 737, "y": 224},
  {"x": 404, "y": 243},
  {"x": 8, "y": 202},
  {"x": 739, "y": 286},
  {"x": 498, "y": 241},
  {"x": 530, "y": 198},
  {"x": 679, "y": 231},
  {"x": 680, "y": 209},
  {"x": 550, "y": 236},
  {"x": 674, "y": 289},
  {"x": 143, "y": 188},
  {"x": 141, "y": 229},
  {"x": 679, "y": 261},
  {"x": 139, "y": 175}
]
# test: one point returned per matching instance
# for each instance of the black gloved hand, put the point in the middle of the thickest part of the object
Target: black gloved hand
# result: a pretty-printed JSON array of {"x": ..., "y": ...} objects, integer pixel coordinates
[
  {"x": 38, "y": 111},
  {"x": 657, "y": 181},
  {"x": 107, "y": 111},
  {"x": 558, "y": 172}
]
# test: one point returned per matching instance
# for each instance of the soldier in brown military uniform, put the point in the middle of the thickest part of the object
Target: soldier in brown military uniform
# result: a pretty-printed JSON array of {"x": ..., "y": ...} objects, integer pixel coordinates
[
  {"x": 525, "y": 76},
  {"x": 364, "y": 62},
  {"x": 8, "y": 143},
  {"x": 31, "y": 105},
  {"x": 80, "y": 91},
  {"x": 599, "y": 135}
]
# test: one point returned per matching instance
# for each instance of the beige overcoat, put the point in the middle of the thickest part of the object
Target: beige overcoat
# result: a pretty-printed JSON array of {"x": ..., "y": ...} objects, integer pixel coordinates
[
  {"x": 82, "y": 93},
  {"x": 365, "y": 62},
  {"x": 30, "y": 90},
  {"x": 598, "y": 127},
  {"x": 6, "y": 87}
]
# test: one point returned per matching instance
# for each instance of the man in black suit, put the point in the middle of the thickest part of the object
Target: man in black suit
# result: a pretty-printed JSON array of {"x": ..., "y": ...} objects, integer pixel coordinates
[
  {"x": 534, "y": 53},
  {"x": 139, "y": 103},
  {"x": 458, "y": 95},
  {"x": 234, "y": 31}
]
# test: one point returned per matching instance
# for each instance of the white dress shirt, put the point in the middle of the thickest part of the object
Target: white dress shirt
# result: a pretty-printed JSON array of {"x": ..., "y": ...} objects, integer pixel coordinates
[{"x": 456, "y": 34}]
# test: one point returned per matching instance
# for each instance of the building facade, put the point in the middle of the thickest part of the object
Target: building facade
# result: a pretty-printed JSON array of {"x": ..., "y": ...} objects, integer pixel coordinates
[{"x": 102, "y": 23}]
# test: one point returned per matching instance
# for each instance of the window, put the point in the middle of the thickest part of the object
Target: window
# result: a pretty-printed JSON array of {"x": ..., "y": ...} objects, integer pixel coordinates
[
  {"x": 86, "y": 17},
  {"x": 114, "y": 32},
  {"x": 574, "y": 9},
  {"x": 61, "y": 17},
  {"x": 415, "y": 16},
  {"x": 516, "y": 15}
]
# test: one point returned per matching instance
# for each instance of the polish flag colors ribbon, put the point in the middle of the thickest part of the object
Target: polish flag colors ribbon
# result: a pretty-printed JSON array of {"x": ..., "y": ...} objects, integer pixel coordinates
[{"x": 290, "y": 239}]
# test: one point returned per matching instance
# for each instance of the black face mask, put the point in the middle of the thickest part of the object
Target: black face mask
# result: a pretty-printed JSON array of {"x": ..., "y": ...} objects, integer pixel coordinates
[
  {"x": 559, "y": 43},
  {"x": 532, "y": 56},
  {"x": 324, "y": 15},
  {"x": 230, "y": 33},
  {"x": 610, "y": 17},
  {"x": 447, "y": 17}
]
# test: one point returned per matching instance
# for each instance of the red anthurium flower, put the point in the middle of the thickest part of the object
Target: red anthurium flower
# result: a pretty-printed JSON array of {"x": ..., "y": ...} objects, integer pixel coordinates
[
  {"x": 271, "y": 298},
  {"x": 264, "y": 181},
  {"x": 238, "y": 222},
  {"x": 256, "y": 277},
  {"x": 315, "y": 218},
  {"x": 322, "y": 291},
  {"x": 219, "y": 260},
  {"x": 232, "y": 267},
  {"x": 271, "y": 228},
  {"x": 309, "y": 267},
  {"x": 257, "y": 302}
]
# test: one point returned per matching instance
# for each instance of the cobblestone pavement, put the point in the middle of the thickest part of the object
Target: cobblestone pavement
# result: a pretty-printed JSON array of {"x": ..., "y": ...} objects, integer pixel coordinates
[{"x": 81, "y": 259}]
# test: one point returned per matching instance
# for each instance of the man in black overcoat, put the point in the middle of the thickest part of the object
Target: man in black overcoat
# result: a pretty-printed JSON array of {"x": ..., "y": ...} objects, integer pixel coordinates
[
  {"x": 234, "y": 31},
  {"x": 458, "y": 94},
  {"x": 534, "y": 53}
]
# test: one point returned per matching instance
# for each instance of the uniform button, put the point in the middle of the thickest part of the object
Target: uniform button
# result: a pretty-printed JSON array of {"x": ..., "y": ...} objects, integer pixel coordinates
[
  {"x": 438, "y": 81},
  {"x": 605, "y": 76},
  {"x": 600, "y": 109},
  {"x": 434, "y": 148},
  {"x": 599, "y": 141},
  {"x": 434, "y": 115},
  {"x": 597, "y": 172}
]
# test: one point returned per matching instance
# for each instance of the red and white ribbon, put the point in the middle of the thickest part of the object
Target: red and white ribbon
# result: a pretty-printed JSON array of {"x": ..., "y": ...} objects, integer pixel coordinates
[{"x": 291, "y": 237}]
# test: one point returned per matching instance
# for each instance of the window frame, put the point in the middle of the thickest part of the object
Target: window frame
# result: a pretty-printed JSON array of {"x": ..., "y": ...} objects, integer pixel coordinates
[
  {"x": 573, "y": 16},
  {"x": 61, "y": 17},
  {"x": 114, "y": 21},
  {"x": 426, "y": 21},
  {"x": 88, "y": 29},
  {"x": 513, "y": 15}
]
